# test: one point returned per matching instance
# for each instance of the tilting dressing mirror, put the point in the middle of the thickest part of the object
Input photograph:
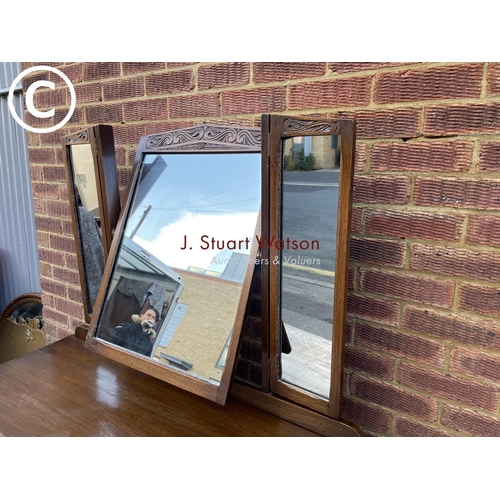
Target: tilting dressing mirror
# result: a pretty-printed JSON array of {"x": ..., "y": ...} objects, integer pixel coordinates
[
  {"x": 311, "y": 178},
  {"x": 89, "y": 156},
  {"x": 176, "y": 284}
]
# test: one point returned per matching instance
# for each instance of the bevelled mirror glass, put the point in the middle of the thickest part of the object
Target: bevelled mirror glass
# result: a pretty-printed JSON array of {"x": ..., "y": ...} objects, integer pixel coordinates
[
  {"x": 89, "y": 157},
  {"x": 177, "y": 281},
  {"x": 311, "y": 170}
]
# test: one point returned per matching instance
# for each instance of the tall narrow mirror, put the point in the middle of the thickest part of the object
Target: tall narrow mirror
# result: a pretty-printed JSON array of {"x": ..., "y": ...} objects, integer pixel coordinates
[
  {"x": 178, "y": 278},
  {"x": 89, "y": 157},
  {"x": 312, "y": 167}
]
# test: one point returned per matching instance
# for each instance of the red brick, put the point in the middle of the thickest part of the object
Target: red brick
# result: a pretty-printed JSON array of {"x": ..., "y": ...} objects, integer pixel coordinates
[
  {"x": 71, "y": 308},
  {"x": 489, "y": 157},
  {"x": 100, "y": 70},
  {"x": 482, "y": 299},
  {"x": 448, "y": 386},
  {"x": 382, "y": 189},
  {"x": 194, "y": 105},
  {"x": 403, "y": 427},
  {"x": 45, "y": 270},
  {"x": 462, "y": 119},
  {"x": 55, "y": 138},
  {"x": 123, "y": 88},
  {"x": 128, "y": 134},
  {"x": 400, "y": 344},
  {"x": 422, "y": 225},
  {"x": 397, "y": 123},
  {"x": 456, "y": 262},
  {"x": 105, "y": 113},
  {"x": 483, "y": 230},
  {"x": 366, "y": 416},
  {"x": 348, "y": 331},
  {"x": 408, "y": 287},
  {"x": 356, "y": 216},
  {"x": 360, "y": 157},
  {"x": 49, "y": 256},
  {"x": 266, "y": 72},
  {"x": 76, "y": 118},
  {"x": 73, "y": 72},
  {"x": 373, "y": 309},
  {"x": 62, "y": 333},
  {"x": 351, "y": 67},
  {"x": 151, "y": 109},
  {"x": 470, "y": 422},
  {"x": 369, "y": 363},
  {"x": 88, "y": 92},
  {"x": 66, "y": 275},
  {"x": 446, "y": 82},
  {"x": 61, "y": 243},
  {"x": 141, "y": 67},
  {"x": 395, "y": 398},
  {"x": 456, "y": 328},
  {"x": 422, "y": 156},
  {"x": 48, "y": 224},
  {"x": 43, "y": 190},
  {"x": 475, "y": 363},
  {"x": 50, "y": 315},
  {"x": 48, "y": 99},
  {"x": 460, "y": 193},
  {"x": 57, "y": 174},
  {"x": 28, "y": 80},
  {"x": 223, "y": 75},
  {"x": 36, "y": 173},
  {"x": 170, "y": 83},
  {"x": 40, "y": 206},
  {"x": 58, "y": 209},
  {"x": 260, "y": 100},
  {"x": 351, "y": 278},
  {"x": 343, "y": 92},
  {"x": 159, "y": 128},
  {"x": 43, "y": 239},
  {"x": 53, "y": 288},
  {"x": 36, "y": 122},
  {"x": 67, "y": 227},
  {"x": 42, "y": 155},
  {"x": 124, "y": 176},
  {"x": 493, "y": 78},
  {"x": 71, "y": 262},
  {"x": 33, "y": 138},
  {"x": 391, "y": 253},
  {"x": 75, "y": 294}
]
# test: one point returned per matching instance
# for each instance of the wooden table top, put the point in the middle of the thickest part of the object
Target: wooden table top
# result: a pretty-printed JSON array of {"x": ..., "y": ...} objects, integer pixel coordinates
[{"x": 66, "y": 390}]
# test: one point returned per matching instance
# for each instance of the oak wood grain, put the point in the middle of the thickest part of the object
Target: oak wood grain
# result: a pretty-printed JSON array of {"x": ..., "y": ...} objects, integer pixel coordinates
[{"x": 66, "y": 390}]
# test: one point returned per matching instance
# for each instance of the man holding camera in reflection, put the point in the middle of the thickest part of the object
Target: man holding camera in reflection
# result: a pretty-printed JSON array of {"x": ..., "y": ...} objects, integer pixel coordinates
[{"x": 139, "y": 335}]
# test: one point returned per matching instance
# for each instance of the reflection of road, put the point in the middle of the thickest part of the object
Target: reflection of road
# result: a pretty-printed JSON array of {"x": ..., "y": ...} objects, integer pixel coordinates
[{"x": 309, "y": 214}]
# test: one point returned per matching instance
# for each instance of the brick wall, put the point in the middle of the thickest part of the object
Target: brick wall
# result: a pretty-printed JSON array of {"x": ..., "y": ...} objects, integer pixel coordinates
[{"x": 423, "y": 348}]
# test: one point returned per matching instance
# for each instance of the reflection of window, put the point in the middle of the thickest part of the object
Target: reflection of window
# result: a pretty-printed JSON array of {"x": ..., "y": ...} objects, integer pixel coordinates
[{"x": 221, "y": 362}]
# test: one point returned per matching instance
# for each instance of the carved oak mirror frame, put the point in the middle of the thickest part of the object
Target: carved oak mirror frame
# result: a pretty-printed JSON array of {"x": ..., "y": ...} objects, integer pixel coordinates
[
  {"x": 89, "y": 157},
  {"x": 170, "y": 170},
  {"x": 336, "y": 139}
]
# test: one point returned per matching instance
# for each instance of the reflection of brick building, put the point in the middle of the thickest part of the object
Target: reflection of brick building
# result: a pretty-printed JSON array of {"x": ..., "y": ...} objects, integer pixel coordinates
[{"x": 206, "y": 324}]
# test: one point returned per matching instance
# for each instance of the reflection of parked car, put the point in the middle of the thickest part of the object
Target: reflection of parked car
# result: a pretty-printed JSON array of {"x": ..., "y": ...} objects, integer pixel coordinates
[{"x": 140, "y": 280}]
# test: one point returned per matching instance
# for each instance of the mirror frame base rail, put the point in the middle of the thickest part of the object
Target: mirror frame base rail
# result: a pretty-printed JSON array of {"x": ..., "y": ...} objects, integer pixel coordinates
[{"x": 292, "y": 412}]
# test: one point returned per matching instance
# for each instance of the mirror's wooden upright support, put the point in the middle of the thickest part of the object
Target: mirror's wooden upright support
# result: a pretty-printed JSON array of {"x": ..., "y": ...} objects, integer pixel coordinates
[{"x": 89, "y": 157}]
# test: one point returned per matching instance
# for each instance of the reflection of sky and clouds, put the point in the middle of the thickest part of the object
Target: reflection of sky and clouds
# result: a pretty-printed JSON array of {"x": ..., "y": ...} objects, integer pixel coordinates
[{"x": 217, "y": 195}]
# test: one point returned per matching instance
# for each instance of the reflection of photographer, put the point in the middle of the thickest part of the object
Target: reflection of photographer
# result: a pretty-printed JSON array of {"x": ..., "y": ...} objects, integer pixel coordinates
[{"x": 139, "y": 335}]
